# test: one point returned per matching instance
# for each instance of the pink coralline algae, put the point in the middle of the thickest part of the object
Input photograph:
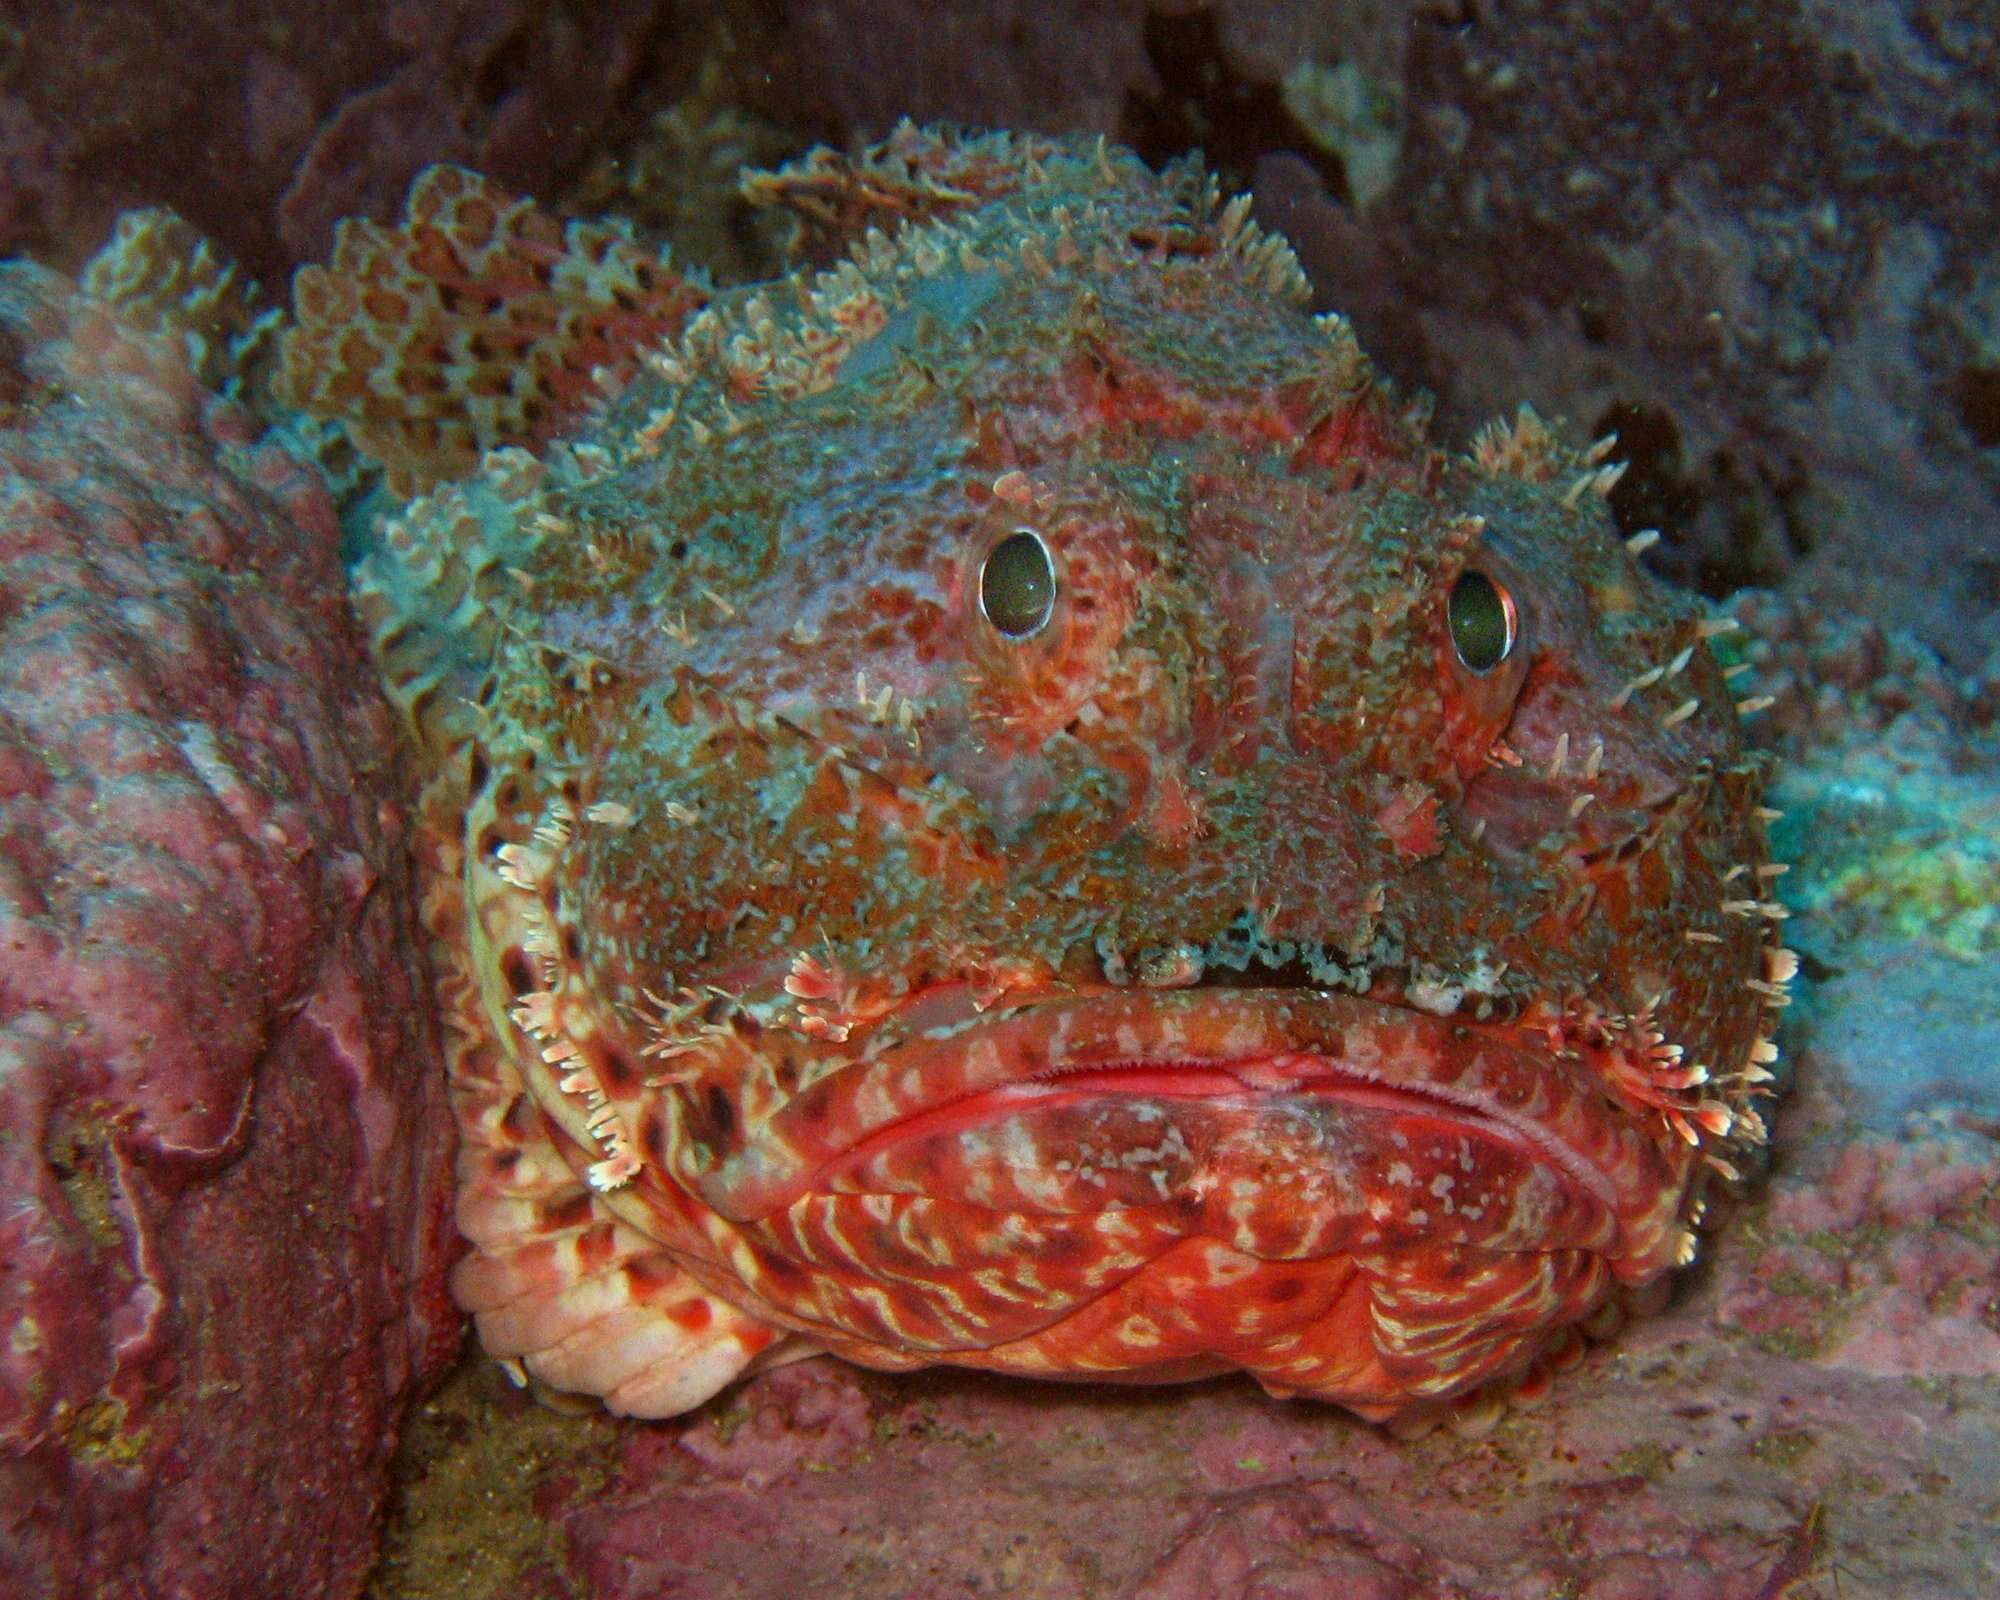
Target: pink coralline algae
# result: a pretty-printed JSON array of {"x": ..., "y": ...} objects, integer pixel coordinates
[{"x": 223, "y": 1164}]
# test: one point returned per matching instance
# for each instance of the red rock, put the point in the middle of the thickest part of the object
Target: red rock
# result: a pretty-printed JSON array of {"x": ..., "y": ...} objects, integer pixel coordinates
[{"x": 223, "y": 1171}]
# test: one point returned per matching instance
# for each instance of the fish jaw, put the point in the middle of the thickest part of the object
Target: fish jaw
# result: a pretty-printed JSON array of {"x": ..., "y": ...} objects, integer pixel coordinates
[{"x": 1348, "y": 1198}]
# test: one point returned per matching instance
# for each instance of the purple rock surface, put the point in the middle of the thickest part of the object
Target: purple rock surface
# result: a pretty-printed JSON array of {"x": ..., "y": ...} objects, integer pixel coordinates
[
  {"x": 265, "y": 121},
  {"x": 223, "y": 1145}
]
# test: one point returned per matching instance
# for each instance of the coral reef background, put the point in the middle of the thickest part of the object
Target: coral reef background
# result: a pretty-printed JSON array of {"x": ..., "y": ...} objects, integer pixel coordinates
[{"x": 1756, "y": 242}]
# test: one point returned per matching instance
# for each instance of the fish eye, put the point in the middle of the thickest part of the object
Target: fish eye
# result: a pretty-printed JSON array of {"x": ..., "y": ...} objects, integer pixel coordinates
[
  {"x": 1484, "y": 623},
  {"x": 1017, "y": 585}
]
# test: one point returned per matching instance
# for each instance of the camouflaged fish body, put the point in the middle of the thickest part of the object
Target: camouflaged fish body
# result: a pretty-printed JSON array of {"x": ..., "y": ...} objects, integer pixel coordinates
[{"x": 1001, "y": 804}]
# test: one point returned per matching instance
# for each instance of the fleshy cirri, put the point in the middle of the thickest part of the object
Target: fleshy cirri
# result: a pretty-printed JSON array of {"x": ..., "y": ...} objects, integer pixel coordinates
[{"x": 998, "y": 801}]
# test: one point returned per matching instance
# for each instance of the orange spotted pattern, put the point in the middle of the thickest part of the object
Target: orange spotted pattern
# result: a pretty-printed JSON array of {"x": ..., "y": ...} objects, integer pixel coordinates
[{"x": 480, "y": 320}]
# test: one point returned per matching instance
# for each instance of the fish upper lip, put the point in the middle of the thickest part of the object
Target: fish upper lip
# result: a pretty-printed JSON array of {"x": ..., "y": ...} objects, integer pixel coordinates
[
  {"x": 1320, "y": 1074},
  {"x": 1293, "y": 1072},
  {"x": 1197, "y": 1043}
]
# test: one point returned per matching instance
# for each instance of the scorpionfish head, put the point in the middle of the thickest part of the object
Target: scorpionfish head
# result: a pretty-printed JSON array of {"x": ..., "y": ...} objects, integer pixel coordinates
[{"x": 1008, "y": 807}]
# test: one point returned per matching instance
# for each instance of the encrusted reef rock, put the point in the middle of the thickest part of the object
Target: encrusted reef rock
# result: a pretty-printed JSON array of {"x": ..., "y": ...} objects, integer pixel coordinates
[{"x": 223, "y": 1155}]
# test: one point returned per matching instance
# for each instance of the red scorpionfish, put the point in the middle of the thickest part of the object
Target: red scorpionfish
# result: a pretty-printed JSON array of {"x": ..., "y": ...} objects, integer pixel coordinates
[{"x": 997, "y": 801}]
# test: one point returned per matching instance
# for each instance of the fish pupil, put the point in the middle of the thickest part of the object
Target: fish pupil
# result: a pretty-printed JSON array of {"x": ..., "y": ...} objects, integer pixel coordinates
[
  {"x": 1017, "y": 585},
  {"x": 1482, "y": 620}
]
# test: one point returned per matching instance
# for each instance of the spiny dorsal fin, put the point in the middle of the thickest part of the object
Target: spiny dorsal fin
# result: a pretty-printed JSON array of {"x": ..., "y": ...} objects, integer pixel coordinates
[
  {"x": 166, "y": 277},
  {"x": 480, "y": 321},
  {"x": 915, "y": 175}
]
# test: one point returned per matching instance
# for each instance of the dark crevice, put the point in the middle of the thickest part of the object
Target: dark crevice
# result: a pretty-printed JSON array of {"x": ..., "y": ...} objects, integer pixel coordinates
[
  {"x": 1975, "y": 392},
  {"x": 506, "y": 67},
  {"x": 1203, "y": 104},
  {"x": 1725, "y": 524},
  {"x": 1656, "y": 491}
]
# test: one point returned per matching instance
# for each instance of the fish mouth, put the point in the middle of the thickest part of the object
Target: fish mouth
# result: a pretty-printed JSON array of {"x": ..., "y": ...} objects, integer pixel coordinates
[
  {"x": 1289, "y": 1124},
  {"x": 1225, "y": 1083}
]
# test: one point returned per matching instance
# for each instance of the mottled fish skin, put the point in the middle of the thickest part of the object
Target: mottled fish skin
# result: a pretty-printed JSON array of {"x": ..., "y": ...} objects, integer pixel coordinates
[{"x": 1304, "y": 908}]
